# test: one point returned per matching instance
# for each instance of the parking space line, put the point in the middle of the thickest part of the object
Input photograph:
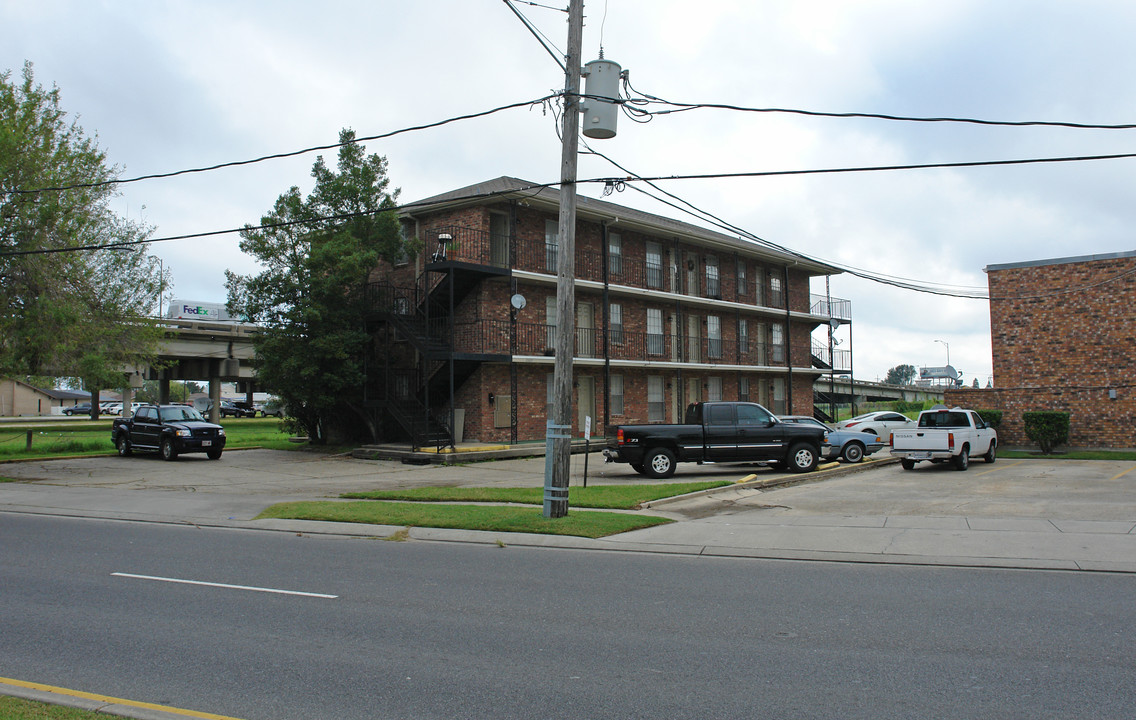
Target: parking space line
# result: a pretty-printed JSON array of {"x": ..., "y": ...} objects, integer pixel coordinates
[
  {"x": 1000, "y": 467},
  {"x": 226, "y": 586},
  {"x": 1117, "y": 477},
  {"x": 106, "y": 699}
]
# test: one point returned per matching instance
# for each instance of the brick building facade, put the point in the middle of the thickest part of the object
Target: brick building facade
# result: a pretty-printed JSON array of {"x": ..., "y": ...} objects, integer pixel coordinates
[
  {"x": 1063, "y": 334},
  {"x": 666, "y": 314}
]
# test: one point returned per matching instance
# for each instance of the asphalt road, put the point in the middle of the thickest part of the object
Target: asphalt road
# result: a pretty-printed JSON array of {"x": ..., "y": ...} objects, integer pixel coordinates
[{"x": 428, "y": 630}]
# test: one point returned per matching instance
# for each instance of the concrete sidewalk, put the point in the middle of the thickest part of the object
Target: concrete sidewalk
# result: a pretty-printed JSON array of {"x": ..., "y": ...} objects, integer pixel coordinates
[{"x": 982, "y": 518}]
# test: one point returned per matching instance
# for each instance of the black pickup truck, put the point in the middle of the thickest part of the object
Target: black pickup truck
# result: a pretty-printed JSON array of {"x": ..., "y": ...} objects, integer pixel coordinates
[
  {"x": 169, "y": 429},
  {"x": 715, "y": 432}
]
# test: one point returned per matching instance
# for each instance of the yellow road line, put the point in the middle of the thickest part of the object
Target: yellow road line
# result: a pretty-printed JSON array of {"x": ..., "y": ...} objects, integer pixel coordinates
[
  {"x": 1117, "y": 477},
  {"x": 111, "y": 700},
  {"x": 1000, "y": 467}
]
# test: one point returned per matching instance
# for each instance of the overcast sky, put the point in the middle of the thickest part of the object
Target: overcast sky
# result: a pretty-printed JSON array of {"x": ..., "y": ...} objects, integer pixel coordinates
[{"x": 174, "y": 85}]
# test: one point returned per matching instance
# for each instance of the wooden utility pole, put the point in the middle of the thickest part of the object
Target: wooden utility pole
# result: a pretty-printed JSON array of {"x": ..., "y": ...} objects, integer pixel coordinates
[{"x": 560, "y": 430}]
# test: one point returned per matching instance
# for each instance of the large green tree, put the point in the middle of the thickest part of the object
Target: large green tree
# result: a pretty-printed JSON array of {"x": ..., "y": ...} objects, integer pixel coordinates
[
  {"x": 900, "y": 375},
  {"x": 317, "y": 252},
  {"x": 66, "y": 309}
]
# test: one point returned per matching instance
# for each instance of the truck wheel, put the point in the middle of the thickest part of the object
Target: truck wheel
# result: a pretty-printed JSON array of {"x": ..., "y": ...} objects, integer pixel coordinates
[
  {"x": 907, "y": 464},
  {"x": 213, "y": 454},
  {"x": 853, "y": 452},
  {"x": 801, "y": 458},
  {"x": 962, "y": 460},
  {"x": 991, "y": 454},
  {"x": 169, "y": 452},
  {"x": 122, "y": 445},
  {"x": 659, "y": 463}
]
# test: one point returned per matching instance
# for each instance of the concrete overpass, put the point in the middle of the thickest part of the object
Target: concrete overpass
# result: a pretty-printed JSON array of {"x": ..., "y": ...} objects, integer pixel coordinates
[
  {"x": 201, "y": 350},
  {"x": 843, "y": 391}
]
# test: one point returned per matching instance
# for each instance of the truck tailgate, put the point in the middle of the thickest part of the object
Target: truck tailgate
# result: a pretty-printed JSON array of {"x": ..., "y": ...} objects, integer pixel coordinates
[{"x": 921, "y": 440}]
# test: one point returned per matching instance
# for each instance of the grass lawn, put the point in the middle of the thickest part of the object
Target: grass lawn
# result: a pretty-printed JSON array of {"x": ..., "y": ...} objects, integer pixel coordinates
[
  {"x": 497, "y": 518},
  {"x": 606, "y": 497},
  {"x": 1074, "y": 455},
  {"x": 93, "y": 438},
  {"x": 17, "y": 709}
]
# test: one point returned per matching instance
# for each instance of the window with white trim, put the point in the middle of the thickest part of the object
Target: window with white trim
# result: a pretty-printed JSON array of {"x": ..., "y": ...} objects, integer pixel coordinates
[
  {"x": 655, "y": 343},
  {"x": 656, "y": 401},
  {"x": 616, "y": 394}
]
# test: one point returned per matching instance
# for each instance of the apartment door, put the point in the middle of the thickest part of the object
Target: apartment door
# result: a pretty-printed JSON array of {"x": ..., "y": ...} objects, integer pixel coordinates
[
  {"x": 693, "y": 338},
  {"x": 585, "y": 330},
  {"x": 499, "y": 239},
  {"x": 585, "y": 402}
]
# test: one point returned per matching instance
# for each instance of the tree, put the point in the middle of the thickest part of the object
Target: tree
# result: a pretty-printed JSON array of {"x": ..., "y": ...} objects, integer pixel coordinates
[
  {"x": 70, "y": 304},
  {"x": 900, "y": 375},
  {"x": 317, "y": 253}
]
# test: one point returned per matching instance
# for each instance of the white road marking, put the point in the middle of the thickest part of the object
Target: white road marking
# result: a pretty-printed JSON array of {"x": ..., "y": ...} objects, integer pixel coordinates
[{"x": 223, "y": 585}]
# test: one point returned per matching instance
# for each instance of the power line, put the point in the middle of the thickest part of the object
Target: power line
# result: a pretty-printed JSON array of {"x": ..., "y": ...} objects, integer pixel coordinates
[
  {"x": 540, "y": 37},
  {"x": 268, "y": 226},
  {"x": 277, "y": 156},
  {"x": 903, "y": 283},
  {"x": 644, "y": 99}
]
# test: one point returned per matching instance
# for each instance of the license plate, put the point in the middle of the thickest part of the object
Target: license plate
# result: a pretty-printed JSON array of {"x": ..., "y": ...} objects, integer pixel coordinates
[
  {"x": 206, "y": 443},
  {"x": 921, "y": 456}
]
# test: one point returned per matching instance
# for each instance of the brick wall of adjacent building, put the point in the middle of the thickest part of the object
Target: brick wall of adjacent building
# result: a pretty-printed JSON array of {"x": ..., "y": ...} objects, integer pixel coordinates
[{"x": 1063, "y": 336}]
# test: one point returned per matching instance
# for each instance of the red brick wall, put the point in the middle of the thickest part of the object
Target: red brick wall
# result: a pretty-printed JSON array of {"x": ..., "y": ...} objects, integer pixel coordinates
[
  {"x": 487, "y": 309},
  {"x": 1063, "y": 336}
]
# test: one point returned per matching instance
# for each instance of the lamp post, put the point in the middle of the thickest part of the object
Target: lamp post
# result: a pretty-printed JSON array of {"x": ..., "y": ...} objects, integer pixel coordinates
[{"x": 948, "y": 346}]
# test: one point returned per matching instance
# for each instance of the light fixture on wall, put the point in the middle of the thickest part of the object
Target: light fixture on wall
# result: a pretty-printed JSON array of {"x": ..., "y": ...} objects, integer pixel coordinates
[{"x": 492, "y": 398}]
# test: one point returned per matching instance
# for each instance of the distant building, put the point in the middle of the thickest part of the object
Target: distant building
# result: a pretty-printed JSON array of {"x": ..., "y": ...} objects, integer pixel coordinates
[
  {"x": 1063, "y": 336},
  {"x": 19, "y": 399}
]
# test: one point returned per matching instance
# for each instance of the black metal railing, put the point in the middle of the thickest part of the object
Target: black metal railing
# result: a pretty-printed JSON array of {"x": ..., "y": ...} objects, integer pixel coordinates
[
  {"x": 836, "y": 360},
  {"x": 455, "y": 243},
  {"x": 830, "y": 307}
]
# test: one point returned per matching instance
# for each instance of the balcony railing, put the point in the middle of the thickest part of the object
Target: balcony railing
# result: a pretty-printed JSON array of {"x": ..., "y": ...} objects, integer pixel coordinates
[
  {"x": 843, "y": 358},
  {"x": 539, "y": 339},
  {"x": 830, "y": 307},
  {"x": 468, "y": 245}
]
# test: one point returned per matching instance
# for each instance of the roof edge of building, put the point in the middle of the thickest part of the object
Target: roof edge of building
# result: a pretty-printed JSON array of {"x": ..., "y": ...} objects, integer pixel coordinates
[
  {"x": 1062, "y": 261},
  {"x": 506, "y": 187}
]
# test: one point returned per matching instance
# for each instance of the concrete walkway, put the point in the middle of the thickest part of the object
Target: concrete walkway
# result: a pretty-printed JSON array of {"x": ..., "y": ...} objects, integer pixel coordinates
[{"x": 1061, "y": 515}]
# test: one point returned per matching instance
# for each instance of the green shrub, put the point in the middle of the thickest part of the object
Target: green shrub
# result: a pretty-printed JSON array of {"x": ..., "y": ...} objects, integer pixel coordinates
[
  {"x": 993, "y": 418},
  {"x": 1047, "y": 428},
  {"x": 906, "y": 407}
]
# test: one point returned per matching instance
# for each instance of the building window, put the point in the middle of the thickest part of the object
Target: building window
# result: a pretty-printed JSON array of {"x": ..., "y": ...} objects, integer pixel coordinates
[
  {"x": 615, "y": 323},
  {"x": 654, "y": 266},
  {"x": 713, "y": 280},
  {"x": 743, "y": 389},
  {"x": 614, "y": 254},
  {"x": 616, "y": 394},
  {"x": 713, "y": 336},
  {"x": 714, "y": 389},
  {"x": 654, "y": 331},
  {"x": 550, "y": 321},
  {"x": 656, "y": 404},
  {"x": 776, "y": 292},
  {"x": 742, "y": 290},
  {"x": 743, "y": 336},
  {"x": 759, "y": 286},
  {"x": 777, "y": 341},
  {"x": 551, "y": 244},
  {"x": 401, "y": 257}
]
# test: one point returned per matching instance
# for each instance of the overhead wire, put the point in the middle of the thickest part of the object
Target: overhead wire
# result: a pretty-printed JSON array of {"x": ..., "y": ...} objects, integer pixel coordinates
[
  {"x": 277, "y": 156},
  {"x": 691, "y": 209}
]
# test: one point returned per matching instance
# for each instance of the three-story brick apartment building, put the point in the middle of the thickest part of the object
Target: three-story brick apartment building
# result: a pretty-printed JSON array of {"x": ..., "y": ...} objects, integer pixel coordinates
[{"x": 667, "y": 314}]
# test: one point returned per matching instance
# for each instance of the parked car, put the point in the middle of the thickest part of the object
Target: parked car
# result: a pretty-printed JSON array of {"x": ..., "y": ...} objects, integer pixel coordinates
[
  {"x": 248, "y": 409},
  {"x": 715, "y": 432},
  {"x": 946, "y": 435},
  {"x": 168, "y": 429},
  {"x": 112, "y": 409},
  {"x": 83, "y": 409},
  {"x": 848, "y": 445},
  {"x": 881, "y": 423},
  {"x": 273, "y": 407},
  {"x": 231, "y": 409}
]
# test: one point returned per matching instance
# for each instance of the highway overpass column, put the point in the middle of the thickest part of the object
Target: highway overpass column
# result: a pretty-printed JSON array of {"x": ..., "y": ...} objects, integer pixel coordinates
[{"x": 215, "y": 399}]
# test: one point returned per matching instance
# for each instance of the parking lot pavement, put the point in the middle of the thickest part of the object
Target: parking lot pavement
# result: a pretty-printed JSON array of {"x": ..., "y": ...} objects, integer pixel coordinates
[{"x": 1015, "y": 513}]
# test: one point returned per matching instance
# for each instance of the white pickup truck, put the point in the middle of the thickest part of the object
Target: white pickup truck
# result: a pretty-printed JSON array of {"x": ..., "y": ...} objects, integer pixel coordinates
[{"x": 943, "y": 435}]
